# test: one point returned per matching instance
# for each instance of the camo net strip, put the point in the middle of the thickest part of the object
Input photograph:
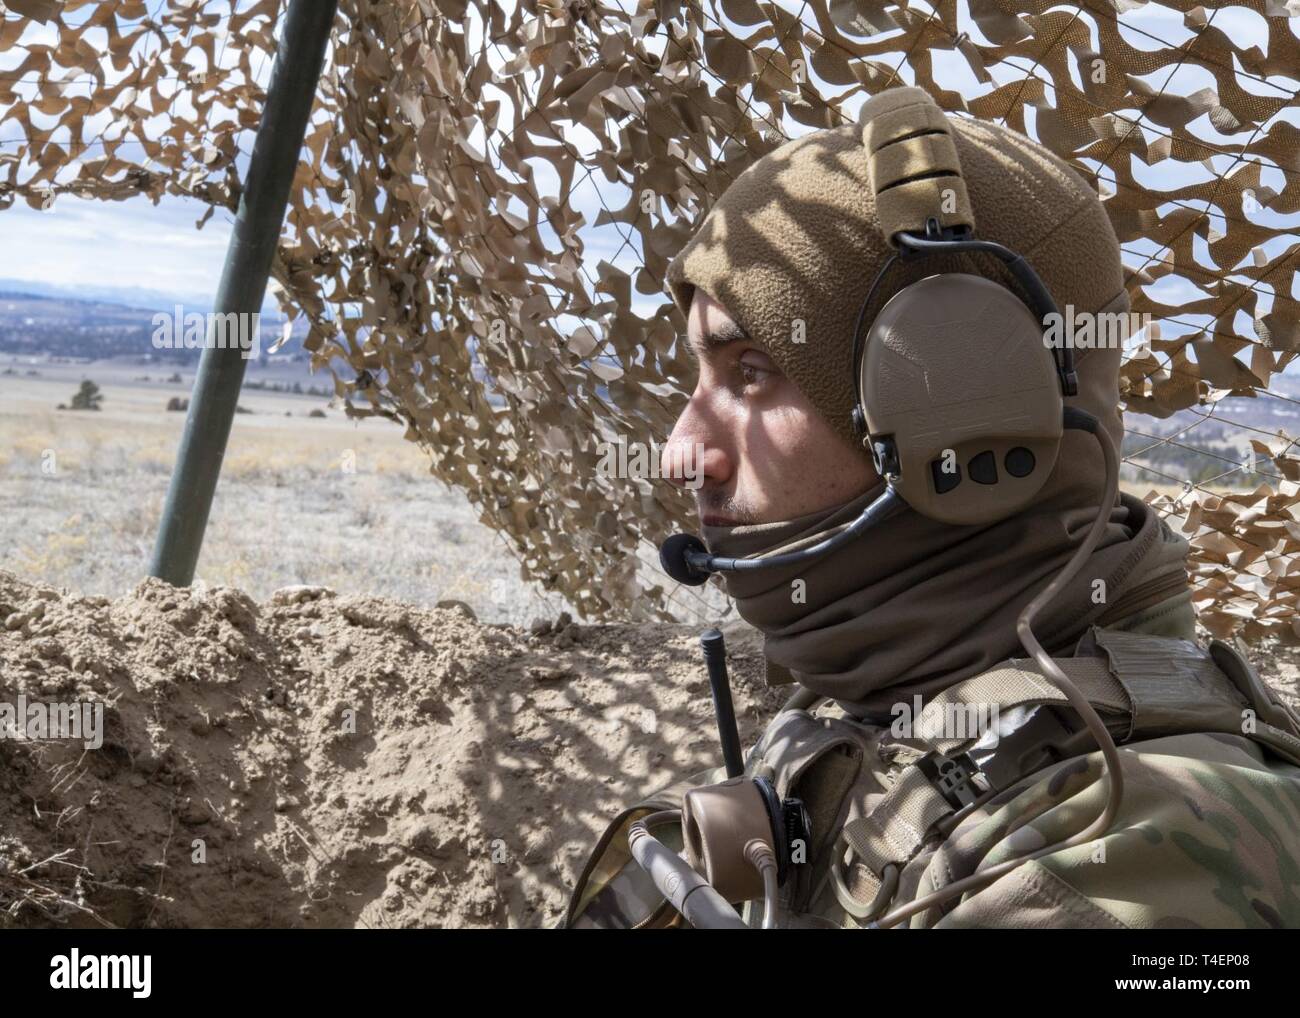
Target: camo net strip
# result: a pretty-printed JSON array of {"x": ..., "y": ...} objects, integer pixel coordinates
[{"x": 490, "y": 194}]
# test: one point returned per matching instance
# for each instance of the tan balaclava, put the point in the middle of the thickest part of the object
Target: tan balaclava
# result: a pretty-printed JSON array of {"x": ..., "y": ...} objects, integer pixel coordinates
[{"x": 790, "y": 250}]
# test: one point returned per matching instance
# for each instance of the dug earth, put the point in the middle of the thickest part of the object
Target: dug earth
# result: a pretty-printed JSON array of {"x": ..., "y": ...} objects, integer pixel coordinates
[{"x": 328, "y": 761}]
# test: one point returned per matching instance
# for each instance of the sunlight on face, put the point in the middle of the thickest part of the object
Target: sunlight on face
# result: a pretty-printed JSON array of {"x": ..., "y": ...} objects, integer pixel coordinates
[{"x": 768, "y": 456}]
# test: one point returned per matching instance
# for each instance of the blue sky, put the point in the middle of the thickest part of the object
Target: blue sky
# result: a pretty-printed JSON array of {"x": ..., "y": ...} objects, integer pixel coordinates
[
  {"x": 130, "y": 248},
  {"x": 99, "y": 248}
]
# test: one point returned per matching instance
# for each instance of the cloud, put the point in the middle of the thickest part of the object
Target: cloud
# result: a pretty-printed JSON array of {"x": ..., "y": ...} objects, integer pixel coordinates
[{"x": 119, "y": 245}]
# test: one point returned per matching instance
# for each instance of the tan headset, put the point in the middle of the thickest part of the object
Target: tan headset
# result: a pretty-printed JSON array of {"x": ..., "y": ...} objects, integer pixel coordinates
[{"x": 959, "y": 399}]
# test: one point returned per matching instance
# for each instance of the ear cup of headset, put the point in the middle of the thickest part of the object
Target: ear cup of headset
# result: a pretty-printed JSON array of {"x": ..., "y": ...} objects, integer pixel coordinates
[{"x": 961, "y": 399}]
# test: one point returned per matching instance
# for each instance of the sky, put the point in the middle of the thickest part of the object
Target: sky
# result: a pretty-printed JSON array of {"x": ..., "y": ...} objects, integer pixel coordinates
[
  {"x": 128, "y": 249},
  {"x": 133, "y": 250},
  {"x": 150, "y": 253}
]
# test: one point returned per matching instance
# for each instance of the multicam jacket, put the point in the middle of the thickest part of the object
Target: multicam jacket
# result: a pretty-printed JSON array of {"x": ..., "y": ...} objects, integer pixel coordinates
[{"x": 1208, "y": 834}]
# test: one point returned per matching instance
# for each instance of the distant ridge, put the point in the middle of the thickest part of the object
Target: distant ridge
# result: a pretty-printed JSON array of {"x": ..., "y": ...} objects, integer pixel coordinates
[
  {"x": 90, "y": 326},
  {"x": 132, "y": 296}
]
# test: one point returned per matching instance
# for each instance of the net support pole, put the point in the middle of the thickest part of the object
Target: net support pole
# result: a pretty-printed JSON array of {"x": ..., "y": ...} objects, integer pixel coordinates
[{"x": 295, "y": 77}]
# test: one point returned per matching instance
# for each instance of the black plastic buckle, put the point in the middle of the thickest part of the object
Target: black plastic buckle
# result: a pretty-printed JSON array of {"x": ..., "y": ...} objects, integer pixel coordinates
[
  {"x": 884, "y": 456},
  {"x": 956, "y": 778},
  {"x": 1041, "y": 739}
]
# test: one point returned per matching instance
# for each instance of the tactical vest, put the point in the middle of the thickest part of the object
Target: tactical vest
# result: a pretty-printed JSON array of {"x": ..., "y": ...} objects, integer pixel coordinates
[{"x": 882, "y": 799}]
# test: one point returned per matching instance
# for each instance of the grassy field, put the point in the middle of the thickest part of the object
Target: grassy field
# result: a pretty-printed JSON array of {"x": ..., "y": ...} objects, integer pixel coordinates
[{"x": 347, "y": 504}]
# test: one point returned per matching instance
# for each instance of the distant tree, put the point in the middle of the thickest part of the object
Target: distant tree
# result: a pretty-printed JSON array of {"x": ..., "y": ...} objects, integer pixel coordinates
[{"x": 88, "y": 397}]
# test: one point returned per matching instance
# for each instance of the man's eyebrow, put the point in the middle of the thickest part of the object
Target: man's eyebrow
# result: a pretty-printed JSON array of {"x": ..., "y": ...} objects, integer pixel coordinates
[{"x": 728, "y": 332}]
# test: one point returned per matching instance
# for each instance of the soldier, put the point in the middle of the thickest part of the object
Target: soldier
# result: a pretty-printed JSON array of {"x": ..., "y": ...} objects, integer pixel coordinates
[{"x": 913, "y": 625}]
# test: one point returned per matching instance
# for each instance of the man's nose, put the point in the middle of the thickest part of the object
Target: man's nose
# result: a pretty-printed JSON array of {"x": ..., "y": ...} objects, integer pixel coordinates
[{"x": 695, "y": 453}]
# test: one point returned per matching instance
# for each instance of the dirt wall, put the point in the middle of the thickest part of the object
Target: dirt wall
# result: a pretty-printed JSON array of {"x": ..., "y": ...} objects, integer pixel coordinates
[{"x": 323, "y": 761}]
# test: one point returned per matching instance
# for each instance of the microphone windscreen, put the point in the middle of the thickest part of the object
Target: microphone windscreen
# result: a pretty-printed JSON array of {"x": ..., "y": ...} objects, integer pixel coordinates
[{"x": 672, "y": 556}]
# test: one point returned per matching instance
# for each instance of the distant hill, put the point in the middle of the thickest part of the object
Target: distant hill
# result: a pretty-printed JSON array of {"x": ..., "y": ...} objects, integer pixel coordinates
[
  {"x": 130, "y": 296},
  {"x": 62, "y": 326}
]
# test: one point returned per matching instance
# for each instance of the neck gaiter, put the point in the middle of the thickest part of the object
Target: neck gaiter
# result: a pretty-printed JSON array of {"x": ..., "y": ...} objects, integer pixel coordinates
[{"x": 914, "y": 605}]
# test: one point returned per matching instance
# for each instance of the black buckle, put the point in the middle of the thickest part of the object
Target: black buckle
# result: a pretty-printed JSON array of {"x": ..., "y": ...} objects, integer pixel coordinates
[
  {"x": 932, "y": 234},
  {"x": 956, "y": 778},
  {"x": 1040, "y": 740}
]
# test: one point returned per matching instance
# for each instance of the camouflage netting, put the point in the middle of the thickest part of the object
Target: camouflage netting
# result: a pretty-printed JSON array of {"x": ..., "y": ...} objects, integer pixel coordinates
[{"x": 436, "y": 244}]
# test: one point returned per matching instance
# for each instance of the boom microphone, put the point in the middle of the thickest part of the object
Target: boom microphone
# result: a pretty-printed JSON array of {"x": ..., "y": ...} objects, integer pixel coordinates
[{"x": 685, "y": 558}]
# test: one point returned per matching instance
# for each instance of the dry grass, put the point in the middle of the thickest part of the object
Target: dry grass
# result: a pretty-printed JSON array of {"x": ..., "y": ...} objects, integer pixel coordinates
[{"x": 342, "y": 503}]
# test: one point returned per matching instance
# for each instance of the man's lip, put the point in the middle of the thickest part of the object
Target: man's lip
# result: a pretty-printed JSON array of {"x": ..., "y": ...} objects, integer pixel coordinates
[{"x": 719, "y": 521}]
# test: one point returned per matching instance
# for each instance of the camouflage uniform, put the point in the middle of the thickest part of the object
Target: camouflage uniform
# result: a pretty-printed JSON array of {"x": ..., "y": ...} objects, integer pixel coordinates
[{"x": 1208, "y": 834}]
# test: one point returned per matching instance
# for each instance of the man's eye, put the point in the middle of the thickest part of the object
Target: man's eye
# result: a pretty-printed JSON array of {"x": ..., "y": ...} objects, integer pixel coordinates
[{"x": 755, "y": 374}]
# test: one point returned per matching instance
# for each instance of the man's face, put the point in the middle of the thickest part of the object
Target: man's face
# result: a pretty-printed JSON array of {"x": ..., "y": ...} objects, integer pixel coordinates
[{"x": 767, "y": 455}]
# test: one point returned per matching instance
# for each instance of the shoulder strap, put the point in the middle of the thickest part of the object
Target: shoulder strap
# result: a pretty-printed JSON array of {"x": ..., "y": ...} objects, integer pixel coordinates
[{"x": 1018, "y": 682}]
